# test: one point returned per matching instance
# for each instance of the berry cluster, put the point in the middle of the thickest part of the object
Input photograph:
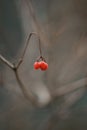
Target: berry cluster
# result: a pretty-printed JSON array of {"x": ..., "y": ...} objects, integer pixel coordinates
[{"x": 40, "y": 65}]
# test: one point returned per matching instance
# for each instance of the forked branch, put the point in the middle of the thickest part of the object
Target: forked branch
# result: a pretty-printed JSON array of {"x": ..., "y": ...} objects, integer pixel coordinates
[{"x": 27, "y": 94}]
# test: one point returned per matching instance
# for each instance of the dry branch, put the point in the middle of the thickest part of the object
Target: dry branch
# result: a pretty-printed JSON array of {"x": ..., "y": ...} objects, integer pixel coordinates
[{"x": 27, "y": 94}]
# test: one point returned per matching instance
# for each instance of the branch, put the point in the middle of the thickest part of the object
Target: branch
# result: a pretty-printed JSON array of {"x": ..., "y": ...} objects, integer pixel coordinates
[
  {"x": 9, "y": 64},
  {"x": 27, "y": 94},
  {"x": 26, "y": 45}
]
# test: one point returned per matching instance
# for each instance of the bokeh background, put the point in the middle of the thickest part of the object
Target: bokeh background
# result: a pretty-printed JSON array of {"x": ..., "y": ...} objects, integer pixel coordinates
[{"x": 61, "y": 90}]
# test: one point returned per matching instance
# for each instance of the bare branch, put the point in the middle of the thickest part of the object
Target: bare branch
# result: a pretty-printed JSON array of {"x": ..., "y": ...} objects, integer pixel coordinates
[
  {"x": 27, "y": 94},
  {"x": 26, "y": 45},
  {"x": 9, "y": 64}
]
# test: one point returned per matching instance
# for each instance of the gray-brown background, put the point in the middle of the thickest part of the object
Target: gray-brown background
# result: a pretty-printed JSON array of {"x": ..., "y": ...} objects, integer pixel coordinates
[{"x": 63, "y": 30}]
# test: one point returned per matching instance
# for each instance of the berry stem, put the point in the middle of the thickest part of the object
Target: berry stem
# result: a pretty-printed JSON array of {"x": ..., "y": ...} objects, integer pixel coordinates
[{"x": 40, "y": 48}]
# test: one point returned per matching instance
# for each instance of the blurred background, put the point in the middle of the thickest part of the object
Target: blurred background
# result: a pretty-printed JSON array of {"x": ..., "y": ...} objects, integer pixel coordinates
[{"x": 61, "y": 90}]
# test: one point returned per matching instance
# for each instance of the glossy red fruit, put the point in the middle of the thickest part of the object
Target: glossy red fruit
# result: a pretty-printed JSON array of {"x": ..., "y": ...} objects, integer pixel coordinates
[
  {"x": 36, "y": 65},
  {"x": 43, "y": 65}
]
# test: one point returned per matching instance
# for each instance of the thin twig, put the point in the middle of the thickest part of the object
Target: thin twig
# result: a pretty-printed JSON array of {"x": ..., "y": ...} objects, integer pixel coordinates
[
  {"x": 26, "y": 45},
  {"x": 28, "y": 95},
  {"x": 40, "y": 48},
  {"x": 9, "y": 64}
]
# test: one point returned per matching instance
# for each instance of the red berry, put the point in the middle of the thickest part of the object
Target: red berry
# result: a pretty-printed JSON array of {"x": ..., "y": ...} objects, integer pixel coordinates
[
  {"x": 46, "y": 65},
  {"x": 36, "y": 65},
  {"x": 43, "y": 65}
]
